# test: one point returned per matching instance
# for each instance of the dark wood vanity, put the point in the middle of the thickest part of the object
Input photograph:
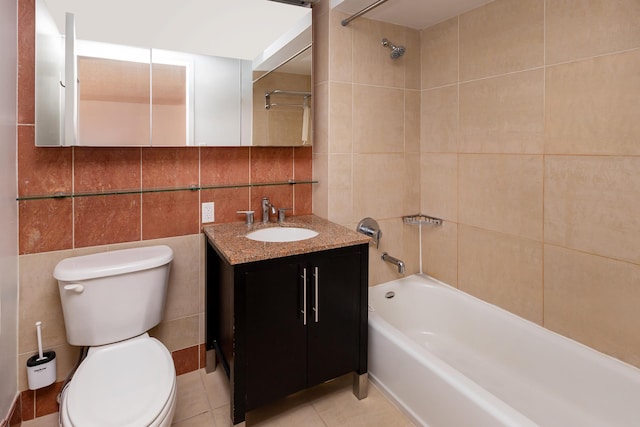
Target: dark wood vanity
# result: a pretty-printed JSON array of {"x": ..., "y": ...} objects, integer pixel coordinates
[{"x": 281, "y": 317}]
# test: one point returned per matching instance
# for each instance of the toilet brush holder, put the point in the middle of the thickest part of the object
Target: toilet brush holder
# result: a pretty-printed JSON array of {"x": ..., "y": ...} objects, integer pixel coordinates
[{"x": 41, "y": 370}]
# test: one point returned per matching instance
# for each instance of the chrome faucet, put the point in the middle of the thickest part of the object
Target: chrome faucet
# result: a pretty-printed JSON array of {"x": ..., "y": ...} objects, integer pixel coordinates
[
  {"x": 388, "y": 258},
  {"x": 267, "y": 209}
]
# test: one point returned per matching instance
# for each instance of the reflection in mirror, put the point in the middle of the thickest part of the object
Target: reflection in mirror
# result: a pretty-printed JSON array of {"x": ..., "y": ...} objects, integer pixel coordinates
[
  {"x": 282, "y": 103},
  {"x": 113, "y": 94}
]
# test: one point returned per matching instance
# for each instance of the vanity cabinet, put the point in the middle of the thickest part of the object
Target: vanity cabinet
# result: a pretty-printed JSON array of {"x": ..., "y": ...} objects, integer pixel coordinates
[{"x": 281, "y": 325}]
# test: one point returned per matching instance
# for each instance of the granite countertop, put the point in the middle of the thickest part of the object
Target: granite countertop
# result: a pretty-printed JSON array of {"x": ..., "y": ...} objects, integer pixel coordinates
[{"x": 230, "y": 242}]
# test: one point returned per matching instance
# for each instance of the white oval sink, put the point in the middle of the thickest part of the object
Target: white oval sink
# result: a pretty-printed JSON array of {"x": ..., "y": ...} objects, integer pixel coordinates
[{"x": 281, "y": 234}]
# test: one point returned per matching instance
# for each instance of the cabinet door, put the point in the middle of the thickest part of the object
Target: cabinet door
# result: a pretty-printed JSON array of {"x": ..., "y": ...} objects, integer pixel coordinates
[
  {"x": 334, "y": 326},
  {"x": 276, "y": 357}
]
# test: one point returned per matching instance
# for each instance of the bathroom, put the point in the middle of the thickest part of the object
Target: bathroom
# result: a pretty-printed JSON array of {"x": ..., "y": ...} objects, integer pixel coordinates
[{"x": 513, "y": 122}]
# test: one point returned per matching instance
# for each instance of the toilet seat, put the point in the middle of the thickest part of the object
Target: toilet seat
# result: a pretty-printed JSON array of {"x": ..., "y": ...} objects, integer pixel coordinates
[{"x": 130, "y": 383}]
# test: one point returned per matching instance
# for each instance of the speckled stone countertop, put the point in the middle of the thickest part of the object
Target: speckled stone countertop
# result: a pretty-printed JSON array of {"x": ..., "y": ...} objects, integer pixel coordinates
[{"x": 230, "y": 242}]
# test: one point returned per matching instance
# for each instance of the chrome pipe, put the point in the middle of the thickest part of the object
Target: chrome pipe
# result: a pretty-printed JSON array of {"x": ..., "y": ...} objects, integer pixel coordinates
[
  {"x": 346, "y": 21},
  {"x": 388, "y": 258}
]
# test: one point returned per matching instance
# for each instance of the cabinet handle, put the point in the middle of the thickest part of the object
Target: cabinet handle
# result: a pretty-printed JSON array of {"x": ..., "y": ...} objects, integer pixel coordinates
[
  {"x": 316, "y": 309},
  {"x": 304, "y": 298}
]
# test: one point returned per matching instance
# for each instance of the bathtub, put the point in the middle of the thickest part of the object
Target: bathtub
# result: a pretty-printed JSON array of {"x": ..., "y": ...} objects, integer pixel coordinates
[{"x": 449, "y": 359}]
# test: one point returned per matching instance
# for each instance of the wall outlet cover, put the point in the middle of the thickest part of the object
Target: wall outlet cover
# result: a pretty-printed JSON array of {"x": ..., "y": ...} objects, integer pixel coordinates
[{"x": 208, "y": 213}]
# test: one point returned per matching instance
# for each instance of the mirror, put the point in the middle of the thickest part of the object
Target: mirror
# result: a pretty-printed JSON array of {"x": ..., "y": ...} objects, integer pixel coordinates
[
  {"x": 156, "y": 97},
  {"x": 282, "y": 91}
]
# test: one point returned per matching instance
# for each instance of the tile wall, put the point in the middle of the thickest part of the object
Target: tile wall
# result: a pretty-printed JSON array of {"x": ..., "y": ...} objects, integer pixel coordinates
[
  {"x": 529, "y": 144},
  {"x": 53, "y": 229},
  {"x": 366, "y": 155}
]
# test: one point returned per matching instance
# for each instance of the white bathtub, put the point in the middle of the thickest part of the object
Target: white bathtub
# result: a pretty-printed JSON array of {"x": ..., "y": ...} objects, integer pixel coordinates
[{"x": 449, "y": 359}]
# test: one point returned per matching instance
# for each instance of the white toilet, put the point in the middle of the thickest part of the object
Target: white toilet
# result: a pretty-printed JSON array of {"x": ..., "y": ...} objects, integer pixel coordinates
[{"x": 110, "y": 300}]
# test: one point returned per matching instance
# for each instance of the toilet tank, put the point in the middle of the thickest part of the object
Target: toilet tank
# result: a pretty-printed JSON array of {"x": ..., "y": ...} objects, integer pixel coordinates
[{"x": 112, "y": 296}]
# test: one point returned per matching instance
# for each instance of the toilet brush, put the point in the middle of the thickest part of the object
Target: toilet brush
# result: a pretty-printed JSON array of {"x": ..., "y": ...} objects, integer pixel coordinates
[{"x": 41, "y": 367}]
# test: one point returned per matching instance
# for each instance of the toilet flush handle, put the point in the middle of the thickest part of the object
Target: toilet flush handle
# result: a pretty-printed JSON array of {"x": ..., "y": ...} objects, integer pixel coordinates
[{"x": 75, "y": 288}]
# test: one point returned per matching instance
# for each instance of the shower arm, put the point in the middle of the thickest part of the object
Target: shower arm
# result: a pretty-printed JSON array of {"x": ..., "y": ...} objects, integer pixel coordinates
[{"x": 346, "y": 21}]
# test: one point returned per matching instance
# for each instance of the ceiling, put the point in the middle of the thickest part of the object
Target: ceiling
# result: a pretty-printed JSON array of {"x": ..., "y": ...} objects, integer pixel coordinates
[
  {"x": 417, "y": 14},
  {"x": 230, "y": 28}
]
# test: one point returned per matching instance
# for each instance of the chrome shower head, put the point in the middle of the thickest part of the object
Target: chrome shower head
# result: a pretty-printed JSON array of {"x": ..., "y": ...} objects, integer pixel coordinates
[{"x": 396, "y": 51}]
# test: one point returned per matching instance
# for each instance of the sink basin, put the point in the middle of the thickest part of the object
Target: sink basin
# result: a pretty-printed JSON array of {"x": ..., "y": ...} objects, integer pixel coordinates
[{"x": 281, "y": 234}]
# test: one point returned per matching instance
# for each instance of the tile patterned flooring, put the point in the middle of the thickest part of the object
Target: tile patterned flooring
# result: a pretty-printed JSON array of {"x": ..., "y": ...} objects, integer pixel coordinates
[{"x": 203, "y": 401}]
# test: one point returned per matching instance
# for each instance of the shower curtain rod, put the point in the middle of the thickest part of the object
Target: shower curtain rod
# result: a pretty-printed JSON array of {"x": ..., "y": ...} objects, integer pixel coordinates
[{"x": 346, "y": 21}]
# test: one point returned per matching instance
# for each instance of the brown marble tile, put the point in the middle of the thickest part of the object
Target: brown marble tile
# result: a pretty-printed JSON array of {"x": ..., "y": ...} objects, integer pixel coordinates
[
  {"x": 303, "y": 201},
  {"x": 101, "y": 220},
  {"x": 169, "y": 167},
  {"x": 104, "y": 169},
  {"x": 224, "y": 165},
  {"x": 42, "y": 170},
  {"x": 15, "y": 419},
  {"x": 228, "y": 201},
  {"x": 26, "y": 61},
  {"x": 46, "y": 399},
  {"x": 203, "y": 356},
  {"x": 170, "y": 214},
  {"x": 45, "y": 225},
  {"x": 281, "y": 196},
  {"x": 186, "y": 360},
  {"x": 271, "y": 164},
  {"x": 28, "y": 405},
  {"x": 302, "y": 163}
]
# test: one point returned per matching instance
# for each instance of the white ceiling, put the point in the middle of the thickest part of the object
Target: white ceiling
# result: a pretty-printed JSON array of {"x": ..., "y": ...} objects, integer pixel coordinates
[
  {"x": 230, "y": 28},
  {"x": 417, "y": 14}
]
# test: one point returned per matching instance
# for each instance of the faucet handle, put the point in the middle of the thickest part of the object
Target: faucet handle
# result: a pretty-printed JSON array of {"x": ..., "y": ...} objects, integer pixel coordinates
[
  {"x": 249, "y": 215},
  {"x": 281, "y": 213}
]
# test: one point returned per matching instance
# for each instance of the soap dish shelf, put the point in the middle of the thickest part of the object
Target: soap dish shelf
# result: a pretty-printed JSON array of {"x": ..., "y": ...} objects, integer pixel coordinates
[{"x": 420, "y": 219}]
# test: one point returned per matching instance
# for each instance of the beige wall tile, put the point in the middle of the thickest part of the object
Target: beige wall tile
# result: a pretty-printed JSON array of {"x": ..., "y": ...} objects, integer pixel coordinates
[
  {"x": 501, "y": 269},
  {"x": 320, "y": 112},
  {"x": 591, "y": 204},
  {"x": 592, "y": 106},
  {"x": 439, "y": 120},
  {"x": 412, "y": 58},
  {"x": 503, "y": 114},
  {"x": 501, "y": 193},
  {"x": 320, "y": 45},
  {"x": 411, "y": 248},
  {"x": 412, "y": 183},
  {"x": 583, "y": 28},
  {"x": 320, "y": 191},
  {"x": 439, "y": 54},
  {"x": 340, "y": 180},
  {"x": 372, "y": 64},
  {"x": 179, "y": 333},
  {"x": 378, "y": 183},
  {"x": 501, "y": 37},
  {"x": 340, "y": 49},
  {"x": 593, "y": 300},
  {"x": 439, "y": 185},
  {"x": 341, "y": 118},
  {"x": 392, "y": 242},
  {"x": 412, "y": 121},
  {"x": 183, "y": 293},
  {"x": 440, "y": 252},
  {"x": 378, "y": 119}
]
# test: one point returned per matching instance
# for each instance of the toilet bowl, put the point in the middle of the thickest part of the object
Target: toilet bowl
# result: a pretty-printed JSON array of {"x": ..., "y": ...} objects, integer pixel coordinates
[
  {"x": 127, "y": 384},
  {"x": 110, "y": 300}
]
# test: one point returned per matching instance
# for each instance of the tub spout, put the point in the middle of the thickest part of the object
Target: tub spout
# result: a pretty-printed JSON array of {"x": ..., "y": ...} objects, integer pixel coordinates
[{"x": 388, "y": 258}]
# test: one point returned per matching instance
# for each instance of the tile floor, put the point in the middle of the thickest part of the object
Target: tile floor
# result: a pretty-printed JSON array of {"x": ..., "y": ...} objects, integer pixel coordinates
[{"x": 203, "y": 401}]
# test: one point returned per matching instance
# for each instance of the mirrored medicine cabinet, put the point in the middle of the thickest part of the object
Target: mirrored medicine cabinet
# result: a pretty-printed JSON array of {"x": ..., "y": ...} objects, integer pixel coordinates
[{"x": 101, "y": 94}]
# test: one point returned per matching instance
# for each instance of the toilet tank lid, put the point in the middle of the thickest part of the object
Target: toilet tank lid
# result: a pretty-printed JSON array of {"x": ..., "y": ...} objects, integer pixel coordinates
[{"x": 112, "y": 263}]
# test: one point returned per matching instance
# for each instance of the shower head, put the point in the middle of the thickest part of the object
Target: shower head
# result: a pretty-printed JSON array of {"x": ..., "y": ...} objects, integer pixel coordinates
[{"x": 396, "y": 51}]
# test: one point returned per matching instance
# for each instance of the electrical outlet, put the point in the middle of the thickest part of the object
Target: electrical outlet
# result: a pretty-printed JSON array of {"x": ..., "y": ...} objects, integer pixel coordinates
[{"x": 208, "y": 212}]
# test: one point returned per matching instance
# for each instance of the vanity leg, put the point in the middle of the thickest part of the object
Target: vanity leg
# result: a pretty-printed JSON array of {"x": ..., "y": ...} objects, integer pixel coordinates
[
  {"x": 210, "y": 364},
  {"x": 360, "y": 385}
]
